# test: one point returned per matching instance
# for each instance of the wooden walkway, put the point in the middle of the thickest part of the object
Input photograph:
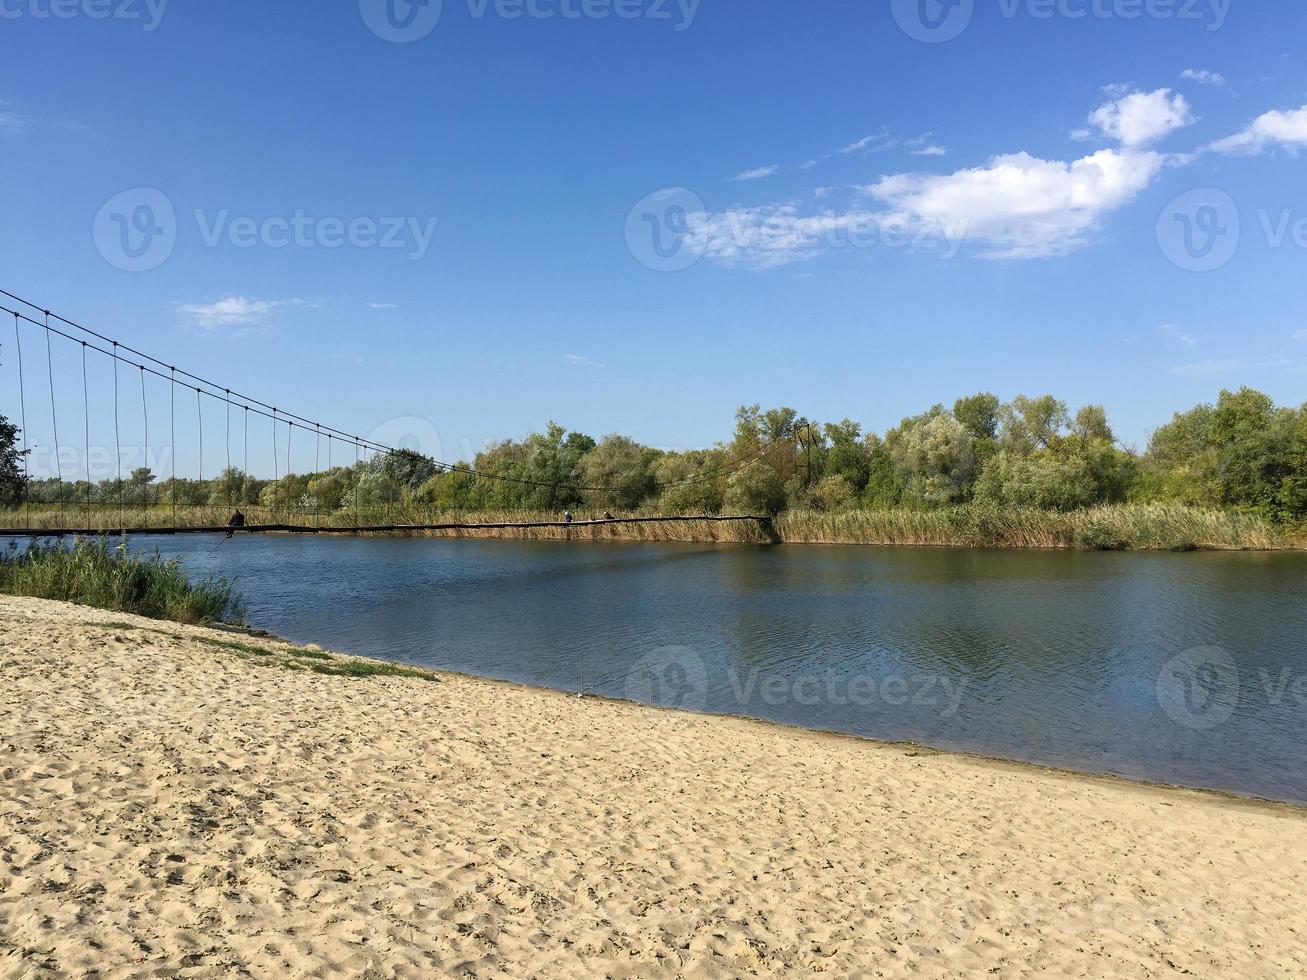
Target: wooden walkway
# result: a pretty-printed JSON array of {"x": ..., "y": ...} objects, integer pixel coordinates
[{"x": 58, "y": 532}]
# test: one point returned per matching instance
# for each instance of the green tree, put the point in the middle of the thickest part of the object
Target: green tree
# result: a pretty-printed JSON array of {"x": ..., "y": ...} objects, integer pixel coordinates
[
  {"x": 979, "y": 414},
  {"x": 622, "y": 464},
  {"x": 934, "y": 457},
  {"x": 1030, "y": 424},
  {"x": 755, "y": 489},
  {"x": 13, "y": 482}
]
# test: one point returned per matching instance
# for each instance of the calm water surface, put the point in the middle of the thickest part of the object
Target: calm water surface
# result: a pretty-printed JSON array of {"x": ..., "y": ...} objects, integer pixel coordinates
[{"x": 1185, "y": 668}]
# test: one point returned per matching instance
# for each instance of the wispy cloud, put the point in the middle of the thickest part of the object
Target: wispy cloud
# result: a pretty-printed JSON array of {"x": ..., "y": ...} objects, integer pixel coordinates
[
  {"x": 232, "y": 310},
  {"x": 577, "y": 360},
  {"x": 1285, "y": 128},
  {"x": 1204, "y": 77},
  {"x": 930, "y": 151},
  {"x": 756, "y": 174},
  {"x": 1300, "y": 335},
  {"x": 1178, "y": 334},
  {"x": 382, "y": 306},
  {"x": 11, "y": 121}
]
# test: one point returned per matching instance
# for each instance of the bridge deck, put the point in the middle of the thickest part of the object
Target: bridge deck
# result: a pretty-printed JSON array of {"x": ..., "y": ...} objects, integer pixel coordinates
[{"x": 51, "y": 532}]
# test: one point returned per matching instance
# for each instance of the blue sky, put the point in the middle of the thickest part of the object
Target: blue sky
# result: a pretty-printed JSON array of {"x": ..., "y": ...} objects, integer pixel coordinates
[{"x": 868, "y": 222}]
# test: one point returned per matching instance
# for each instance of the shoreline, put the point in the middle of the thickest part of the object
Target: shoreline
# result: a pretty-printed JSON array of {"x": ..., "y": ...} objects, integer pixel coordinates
[
  {"x": 925, "y": 748},
  {"x": 251, "y": 814},
  {"x": 1127, "y": 527}
]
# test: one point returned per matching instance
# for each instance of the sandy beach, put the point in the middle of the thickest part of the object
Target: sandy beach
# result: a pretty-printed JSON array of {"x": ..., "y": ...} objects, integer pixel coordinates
[{"x": 176, "y": 807}]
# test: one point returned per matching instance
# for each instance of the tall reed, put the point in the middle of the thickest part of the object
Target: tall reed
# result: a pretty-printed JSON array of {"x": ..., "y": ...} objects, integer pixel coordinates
[{"x": 92, "y": 573}]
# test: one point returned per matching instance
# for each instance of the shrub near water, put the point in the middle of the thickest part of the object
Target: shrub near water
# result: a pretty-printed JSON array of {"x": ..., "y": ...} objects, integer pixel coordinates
[{"x": 91, "y": 573}]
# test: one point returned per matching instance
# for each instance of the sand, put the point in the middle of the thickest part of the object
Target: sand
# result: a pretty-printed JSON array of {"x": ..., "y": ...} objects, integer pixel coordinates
[{"x": 171, "y": 807}]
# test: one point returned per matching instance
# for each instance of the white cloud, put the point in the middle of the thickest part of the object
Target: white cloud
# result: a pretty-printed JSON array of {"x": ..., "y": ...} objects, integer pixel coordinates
[
  {"x": 1300, "y": 335},
  {"x": 1178, "y": 333},
  {"x": 930, "y": 151},
  {"x": 756, "y": 174},
  {"x": 578, "y": 361},
  {"x": 232, "y": 310},
  {"x": 1140, "y": 118},
  {"x": 1204, "y": 77},
  {"x": 1019, "y": 205},
  {"x": 1283, "y": 128},
  {"x": 881, "y": 140},
  {"x": 764, "y": 237},
  {"x": 382, "y": 306}
]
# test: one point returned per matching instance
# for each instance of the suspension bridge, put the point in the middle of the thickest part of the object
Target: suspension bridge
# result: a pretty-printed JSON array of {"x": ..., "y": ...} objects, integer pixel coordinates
[{"x": 132, "y": 388}]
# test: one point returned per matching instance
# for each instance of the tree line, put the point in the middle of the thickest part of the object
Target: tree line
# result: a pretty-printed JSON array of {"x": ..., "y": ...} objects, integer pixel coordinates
[{"x": 1242, "y": 453}]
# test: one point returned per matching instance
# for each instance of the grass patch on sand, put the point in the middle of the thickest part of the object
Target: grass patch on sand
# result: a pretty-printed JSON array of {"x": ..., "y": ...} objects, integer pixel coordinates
[{"x": 93, "y": 573}]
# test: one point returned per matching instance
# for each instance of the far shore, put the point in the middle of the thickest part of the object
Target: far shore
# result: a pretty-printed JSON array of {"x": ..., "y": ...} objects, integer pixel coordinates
[
  {"x": 1134, "y": 527},
  {"x": 181, "y": 799}
]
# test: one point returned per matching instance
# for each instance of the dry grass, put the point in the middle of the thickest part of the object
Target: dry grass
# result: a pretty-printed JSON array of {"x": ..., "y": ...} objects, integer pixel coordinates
[{"x": 1144, "y": 527}]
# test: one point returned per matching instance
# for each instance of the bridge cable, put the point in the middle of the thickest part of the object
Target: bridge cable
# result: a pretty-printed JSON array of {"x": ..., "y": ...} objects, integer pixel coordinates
[
  {"x": 117, "y": 440},
  {"x": 86, "y": 435},
  {"x": 54, "y": 417},
  {"x": 379, "y": 448},
  {"x": 22, "y": 402},
  {"x": 145, "y": 420},
  {"x": 199, "y": 428},
  {"x": 172, "y": 438}
]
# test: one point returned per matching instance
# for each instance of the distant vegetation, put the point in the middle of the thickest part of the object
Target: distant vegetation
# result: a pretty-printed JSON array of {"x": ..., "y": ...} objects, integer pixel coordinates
[
  {"x": 1233, "y": 474},
  {"x": 93, "y": 573}
]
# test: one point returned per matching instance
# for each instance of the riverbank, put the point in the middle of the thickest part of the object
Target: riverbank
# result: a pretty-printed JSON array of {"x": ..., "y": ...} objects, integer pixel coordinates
[
  {"x": 174, "y": 803},
  {"x": 1134, "y": 527}
]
